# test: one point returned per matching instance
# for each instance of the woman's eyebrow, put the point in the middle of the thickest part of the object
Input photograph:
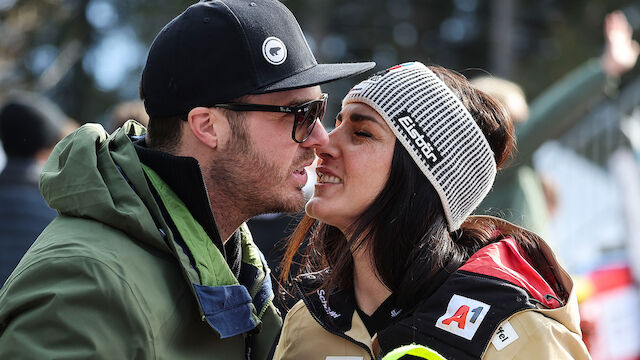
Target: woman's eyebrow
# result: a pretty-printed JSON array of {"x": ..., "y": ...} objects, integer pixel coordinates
[{"x": 355, "y": 117}]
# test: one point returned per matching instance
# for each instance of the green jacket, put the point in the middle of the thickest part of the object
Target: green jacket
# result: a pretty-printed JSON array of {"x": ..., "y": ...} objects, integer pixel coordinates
[
  {"x": 517, "y": 194},
  {"x": 109, "y": 279}
]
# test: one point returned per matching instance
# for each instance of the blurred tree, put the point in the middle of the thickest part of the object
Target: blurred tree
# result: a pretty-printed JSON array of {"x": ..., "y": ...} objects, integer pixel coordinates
[
  {"x": 88, "y": 54},
  {"x": 42, "y": 44},
  {"x": 85, "y": 54}
]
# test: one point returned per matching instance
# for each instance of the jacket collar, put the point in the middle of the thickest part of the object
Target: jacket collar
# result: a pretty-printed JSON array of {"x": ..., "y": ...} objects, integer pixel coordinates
[
  {"x": 333, "y": 309},
  {"x": 230, "y": 307},
  {"x": 184, "y": 177}
]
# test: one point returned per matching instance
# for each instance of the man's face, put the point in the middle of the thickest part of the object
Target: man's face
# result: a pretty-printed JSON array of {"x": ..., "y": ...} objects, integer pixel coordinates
[{"x": 262, "y": 167}]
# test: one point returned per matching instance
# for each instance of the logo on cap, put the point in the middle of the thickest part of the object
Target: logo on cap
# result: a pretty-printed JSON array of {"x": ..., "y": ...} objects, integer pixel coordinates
[{"x": 274, "y": 51}]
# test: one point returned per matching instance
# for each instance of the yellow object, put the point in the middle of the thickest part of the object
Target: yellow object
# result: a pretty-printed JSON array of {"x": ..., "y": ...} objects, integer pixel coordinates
[
  {"x": 415, "y": 350},
  {"x": 584, "y": 288}
]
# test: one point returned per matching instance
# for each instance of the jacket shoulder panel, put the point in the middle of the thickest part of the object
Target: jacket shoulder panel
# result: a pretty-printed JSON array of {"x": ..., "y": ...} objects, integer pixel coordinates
[
  {"x": 538, "y": 337},
  {"x": 92, "y": 175},
  {"x": 504, "y": 260},
  {"x": 459, "y": 319}
]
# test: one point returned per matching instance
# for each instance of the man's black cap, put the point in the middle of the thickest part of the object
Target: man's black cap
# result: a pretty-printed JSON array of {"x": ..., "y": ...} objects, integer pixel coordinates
[{"x": 219, "y": 50}]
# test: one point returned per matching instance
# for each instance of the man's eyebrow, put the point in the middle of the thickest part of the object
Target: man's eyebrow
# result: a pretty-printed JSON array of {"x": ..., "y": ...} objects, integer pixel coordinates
[{"x": 299, "y": 101}]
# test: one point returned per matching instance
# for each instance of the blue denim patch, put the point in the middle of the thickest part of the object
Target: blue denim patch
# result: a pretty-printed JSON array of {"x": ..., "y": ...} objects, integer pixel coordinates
[{"x": 226, "y": 308}]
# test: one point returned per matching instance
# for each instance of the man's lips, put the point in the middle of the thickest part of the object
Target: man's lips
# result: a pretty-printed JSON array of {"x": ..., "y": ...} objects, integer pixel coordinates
[{"x": 302, "y": 167}]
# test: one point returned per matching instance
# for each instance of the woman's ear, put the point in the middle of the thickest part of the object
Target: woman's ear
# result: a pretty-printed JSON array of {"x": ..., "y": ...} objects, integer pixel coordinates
[{"x": 209, "y": 126}]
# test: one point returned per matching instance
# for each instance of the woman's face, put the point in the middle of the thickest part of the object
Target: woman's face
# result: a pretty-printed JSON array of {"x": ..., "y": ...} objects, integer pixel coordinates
[{"x": 353, "y": 167}]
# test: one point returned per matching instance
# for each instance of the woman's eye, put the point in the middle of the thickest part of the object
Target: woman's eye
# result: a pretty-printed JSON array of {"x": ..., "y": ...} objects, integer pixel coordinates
[{"x": 362, "y": 134}]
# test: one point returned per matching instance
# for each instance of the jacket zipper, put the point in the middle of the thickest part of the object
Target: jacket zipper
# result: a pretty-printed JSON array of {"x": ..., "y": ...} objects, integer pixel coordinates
[{"x": 346, "y": 337}]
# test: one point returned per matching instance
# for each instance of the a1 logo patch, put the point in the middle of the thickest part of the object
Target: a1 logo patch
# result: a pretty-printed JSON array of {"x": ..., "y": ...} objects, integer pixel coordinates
[{"x": 463, "y": 316}]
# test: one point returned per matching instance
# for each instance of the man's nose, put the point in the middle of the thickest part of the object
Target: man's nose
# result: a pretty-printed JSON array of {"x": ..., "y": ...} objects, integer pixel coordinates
[{"x": 318, "y": 137}]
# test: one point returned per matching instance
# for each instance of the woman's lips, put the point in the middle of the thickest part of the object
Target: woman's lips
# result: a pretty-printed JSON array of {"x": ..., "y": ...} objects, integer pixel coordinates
[{"x": 325, "y": 176}]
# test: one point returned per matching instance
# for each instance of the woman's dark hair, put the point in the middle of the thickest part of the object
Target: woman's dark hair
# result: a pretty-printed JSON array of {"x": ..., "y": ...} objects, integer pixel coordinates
[{"x": 405, "y": 227}]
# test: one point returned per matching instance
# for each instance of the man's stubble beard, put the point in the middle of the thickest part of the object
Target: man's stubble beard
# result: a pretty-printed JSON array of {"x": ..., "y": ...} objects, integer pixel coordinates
[{"x": 252, "y": 182}]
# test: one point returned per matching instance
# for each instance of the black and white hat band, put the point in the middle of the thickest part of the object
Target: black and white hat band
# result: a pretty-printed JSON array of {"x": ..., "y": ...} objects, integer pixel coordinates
[{"x": 436, "y": 130}]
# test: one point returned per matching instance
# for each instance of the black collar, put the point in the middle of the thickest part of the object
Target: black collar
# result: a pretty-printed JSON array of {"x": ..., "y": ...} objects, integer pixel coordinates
[
  {"x": 384, "y": 315},
  {"x": 334, "y": 309}
]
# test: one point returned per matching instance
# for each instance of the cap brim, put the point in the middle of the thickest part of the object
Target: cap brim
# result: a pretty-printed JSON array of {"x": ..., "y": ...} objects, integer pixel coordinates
[{"x": 319, "y": 74}]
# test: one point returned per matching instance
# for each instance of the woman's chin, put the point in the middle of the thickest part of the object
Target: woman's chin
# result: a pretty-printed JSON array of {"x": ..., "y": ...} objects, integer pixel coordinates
[
  {"x": 311, "y": 208},
  {"x": 318, "y": 211}
]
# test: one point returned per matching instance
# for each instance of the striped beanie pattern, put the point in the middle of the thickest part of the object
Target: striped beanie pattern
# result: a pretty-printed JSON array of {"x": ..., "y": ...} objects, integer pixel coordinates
[{"x": 436, "y": 130}]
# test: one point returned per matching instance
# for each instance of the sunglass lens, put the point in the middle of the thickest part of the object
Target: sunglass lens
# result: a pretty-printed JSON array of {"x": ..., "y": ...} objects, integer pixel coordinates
[{"x": 306, "y": 123}]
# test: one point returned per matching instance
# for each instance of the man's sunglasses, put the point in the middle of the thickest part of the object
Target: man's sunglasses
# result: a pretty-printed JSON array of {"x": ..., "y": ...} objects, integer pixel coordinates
[{"x": 305, "y": 114}]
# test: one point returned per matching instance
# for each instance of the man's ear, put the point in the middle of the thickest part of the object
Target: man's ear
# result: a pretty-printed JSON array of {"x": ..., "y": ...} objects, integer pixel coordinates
[{"x": 209, "y": 126}]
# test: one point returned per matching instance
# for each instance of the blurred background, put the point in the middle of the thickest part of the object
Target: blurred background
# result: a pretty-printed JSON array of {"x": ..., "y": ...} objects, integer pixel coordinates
[{"x": 87, "y": 56}]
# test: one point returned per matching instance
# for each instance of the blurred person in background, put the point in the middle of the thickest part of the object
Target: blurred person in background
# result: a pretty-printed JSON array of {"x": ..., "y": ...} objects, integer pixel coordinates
[
  {"x": 518, "y": 194},
  {"x": 30, "y": 126},
  {"x": 150, "y": 257},
  {"x": 3, "y": 157}
]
